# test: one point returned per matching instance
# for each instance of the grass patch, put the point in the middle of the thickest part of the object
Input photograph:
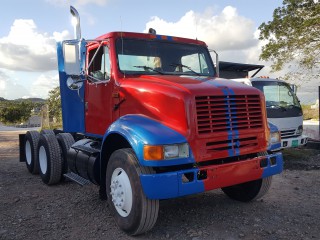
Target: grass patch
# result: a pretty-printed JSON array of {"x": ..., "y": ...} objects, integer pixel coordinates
[
  {"x": 301, "y": 158},
  {"x": 309, "y": 113}
]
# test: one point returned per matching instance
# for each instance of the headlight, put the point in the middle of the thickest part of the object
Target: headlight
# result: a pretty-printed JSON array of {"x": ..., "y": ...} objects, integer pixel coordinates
[
  {"x": 275, "y": 137},
  {"x": 299, "y": 130},
  {"x": 162, "y": 152}
]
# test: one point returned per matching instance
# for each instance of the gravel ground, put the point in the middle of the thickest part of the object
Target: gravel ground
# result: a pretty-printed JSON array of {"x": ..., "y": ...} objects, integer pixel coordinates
[{"x": 31, "y": 210}]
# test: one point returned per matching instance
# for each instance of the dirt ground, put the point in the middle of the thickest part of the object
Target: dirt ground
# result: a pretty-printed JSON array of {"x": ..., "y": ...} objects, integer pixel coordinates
[{"x": 31, "y": 210}]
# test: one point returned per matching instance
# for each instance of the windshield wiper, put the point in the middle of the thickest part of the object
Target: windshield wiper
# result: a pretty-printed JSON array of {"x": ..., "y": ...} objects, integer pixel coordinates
[
  {"x": 276, "y": 106},
  {"x": 149, "y": 68},
  {"x": 184, "y": 66},
  {"x": 292, "y": 106}
]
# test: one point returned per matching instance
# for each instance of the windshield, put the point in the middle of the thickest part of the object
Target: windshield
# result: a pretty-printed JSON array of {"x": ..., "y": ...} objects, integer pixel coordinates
[
  {"x": 142, "y": 56},
  {"x": 277, "y": 94}
]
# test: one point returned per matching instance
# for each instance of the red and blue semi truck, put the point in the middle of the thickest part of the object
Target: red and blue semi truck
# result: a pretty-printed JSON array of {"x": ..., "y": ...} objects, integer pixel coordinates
[{"x": 145, "y": 118}]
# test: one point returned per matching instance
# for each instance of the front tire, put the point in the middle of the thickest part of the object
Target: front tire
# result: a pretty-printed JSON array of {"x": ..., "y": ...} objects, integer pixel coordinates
[
  {"x": 132, "y": 211},
  {"x": 50, "y": 160},
  {"x": 249, "y": 191}
]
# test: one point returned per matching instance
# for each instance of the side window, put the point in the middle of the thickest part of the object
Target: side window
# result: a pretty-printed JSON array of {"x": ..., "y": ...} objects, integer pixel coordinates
[
  {"x": 100, "y": 66},
  {"x": 105, "y": 63},
  {"x": 196, "y": 62}
]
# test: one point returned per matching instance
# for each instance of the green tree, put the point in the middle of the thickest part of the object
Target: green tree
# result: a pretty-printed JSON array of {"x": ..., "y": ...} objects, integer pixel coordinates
[
  {"x": 16, "y": 111},
  {"x": 293, "y": 36},
  {"x": 54, "y": 105}
]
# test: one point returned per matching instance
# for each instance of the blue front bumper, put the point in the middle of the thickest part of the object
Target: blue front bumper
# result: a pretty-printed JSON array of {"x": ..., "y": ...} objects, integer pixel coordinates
[{"x": 174, "y": 184}]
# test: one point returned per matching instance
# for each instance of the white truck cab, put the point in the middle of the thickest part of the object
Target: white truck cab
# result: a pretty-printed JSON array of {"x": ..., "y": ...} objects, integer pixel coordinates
[{"x": 283, "y": 107}]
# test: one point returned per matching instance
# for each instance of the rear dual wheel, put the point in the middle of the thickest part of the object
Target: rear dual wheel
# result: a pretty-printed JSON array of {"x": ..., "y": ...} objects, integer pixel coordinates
[
  {"x": 31, "y": 151},
  {"x": 50, "y": 160},
  {"x": 65, "y": 141},
  {"x": 132, "y": 211}
]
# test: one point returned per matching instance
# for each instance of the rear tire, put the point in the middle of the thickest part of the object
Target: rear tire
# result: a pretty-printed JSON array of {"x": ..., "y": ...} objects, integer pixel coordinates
[
  {"x": 47, "y": 131},
  {"x": 31, "y": 151},
  {"x": 132, "y": 211},
  {"x": 248, "y": 191},
  {"x": 65, "y": 141},
  {"x": 50, "y": 160}
]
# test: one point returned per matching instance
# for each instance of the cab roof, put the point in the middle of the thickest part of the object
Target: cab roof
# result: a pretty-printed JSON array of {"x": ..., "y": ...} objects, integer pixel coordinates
[{"x": 150, "y": 36}]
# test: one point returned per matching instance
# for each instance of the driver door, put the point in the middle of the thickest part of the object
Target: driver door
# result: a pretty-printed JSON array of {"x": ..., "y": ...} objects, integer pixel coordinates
[{"x": 99, "y": 88}]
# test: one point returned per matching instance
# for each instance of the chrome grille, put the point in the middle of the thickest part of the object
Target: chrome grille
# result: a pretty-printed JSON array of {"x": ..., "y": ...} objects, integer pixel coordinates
[
  {"x": 288, "y": 133},
  {"x": 228, "y": 113}
]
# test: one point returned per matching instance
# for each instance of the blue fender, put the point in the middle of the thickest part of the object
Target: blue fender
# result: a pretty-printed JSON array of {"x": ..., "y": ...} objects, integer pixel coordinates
[{"x": 140, "y": 130}]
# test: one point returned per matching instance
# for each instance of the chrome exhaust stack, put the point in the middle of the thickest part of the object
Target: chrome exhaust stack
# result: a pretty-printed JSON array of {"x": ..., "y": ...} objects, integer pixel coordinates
[{"x": 76, "y": 22}]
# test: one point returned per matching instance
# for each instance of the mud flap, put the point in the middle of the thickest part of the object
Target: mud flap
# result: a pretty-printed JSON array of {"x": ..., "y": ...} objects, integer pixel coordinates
[{"x": 22, "y": 153}]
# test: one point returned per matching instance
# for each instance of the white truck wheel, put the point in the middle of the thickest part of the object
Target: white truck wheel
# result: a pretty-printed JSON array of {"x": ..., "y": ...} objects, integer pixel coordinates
[
  {"x": 50, "y": 160},
  {"x": 132, "y": 211},
  {"x": 31, "y": 154}
]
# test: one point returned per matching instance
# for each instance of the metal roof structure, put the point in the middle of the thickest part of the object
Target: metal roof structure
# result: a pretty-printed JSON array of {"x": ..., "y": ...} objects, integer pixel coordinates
[{"x": 239, "y": 67}]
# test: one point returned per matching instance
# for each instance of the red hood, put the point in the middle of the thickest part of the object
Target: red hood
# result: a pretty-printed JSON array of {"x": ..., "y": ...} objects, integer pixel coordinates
[
  {"x": 194, "y": 85},
  {"x": 171, "y": 99}
]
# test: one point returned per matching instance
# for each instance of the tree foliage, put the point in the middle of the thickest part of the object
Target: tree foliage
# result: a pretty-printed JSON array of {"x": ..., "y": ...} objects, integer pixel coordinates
[
  {"x": 293, "y": 35},
  {"x": 16, "y": 111},
  {"x": 54, "y": 105}
]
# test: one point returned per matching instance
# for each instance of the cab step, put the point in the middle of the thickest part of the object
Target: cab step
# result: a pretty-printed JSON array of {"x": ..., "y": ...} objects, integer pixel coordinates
[{"x": 76, "y": 178}]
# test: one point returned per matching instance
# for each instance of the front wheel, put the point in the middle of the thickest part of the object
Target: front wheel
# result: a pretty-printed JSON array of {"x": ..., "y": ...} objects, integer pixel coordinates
[
  {"x": 132, "y": 211},
  {"x": 248, "y": 191}
]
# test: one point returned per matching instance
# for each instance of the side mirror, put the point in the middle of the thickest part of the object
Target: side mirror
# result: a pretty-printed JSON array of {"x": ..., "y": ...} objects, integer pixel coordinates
[
  {"x": 217, "y": 62},
  {"x": 71, "y": 57},
  {"x": 74, "y": 83},
  {"x": 294, "y": 88}
]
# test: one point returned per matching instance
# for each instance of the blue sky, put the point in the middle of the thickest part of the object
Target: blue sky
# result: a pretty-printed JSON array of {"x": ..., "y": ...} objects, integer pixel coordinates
[{"x": 29, "y": 30}]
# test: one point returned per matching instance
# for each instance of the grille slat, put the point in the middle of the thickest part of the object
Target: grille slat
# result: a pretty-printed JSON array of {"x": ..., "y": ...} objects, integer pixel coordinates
[
  {"x": 231, "y": 144},
  {"x": 288, "y": 133},
  {"x": 228, "y": 113}
]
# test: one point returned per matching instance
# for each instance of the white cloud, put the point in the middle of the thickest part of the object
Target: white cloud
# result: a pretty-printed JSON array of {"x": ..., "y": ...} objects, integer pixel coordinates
[
  {"x": 25, "y": 49},
  {"x": 43, "y": 84},
  {"x": 234, "y": 37},
  {"x": 225, "y": 31},
  {"x": 10, "y": 89}
]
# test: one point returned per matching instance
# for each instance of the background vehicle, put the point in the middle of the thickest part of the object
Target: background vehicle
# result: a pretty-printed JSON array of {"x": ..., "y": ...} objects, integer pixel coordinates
[
  {"x": 283, "y": 106},
  {"x": 145, "y": 119}
]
